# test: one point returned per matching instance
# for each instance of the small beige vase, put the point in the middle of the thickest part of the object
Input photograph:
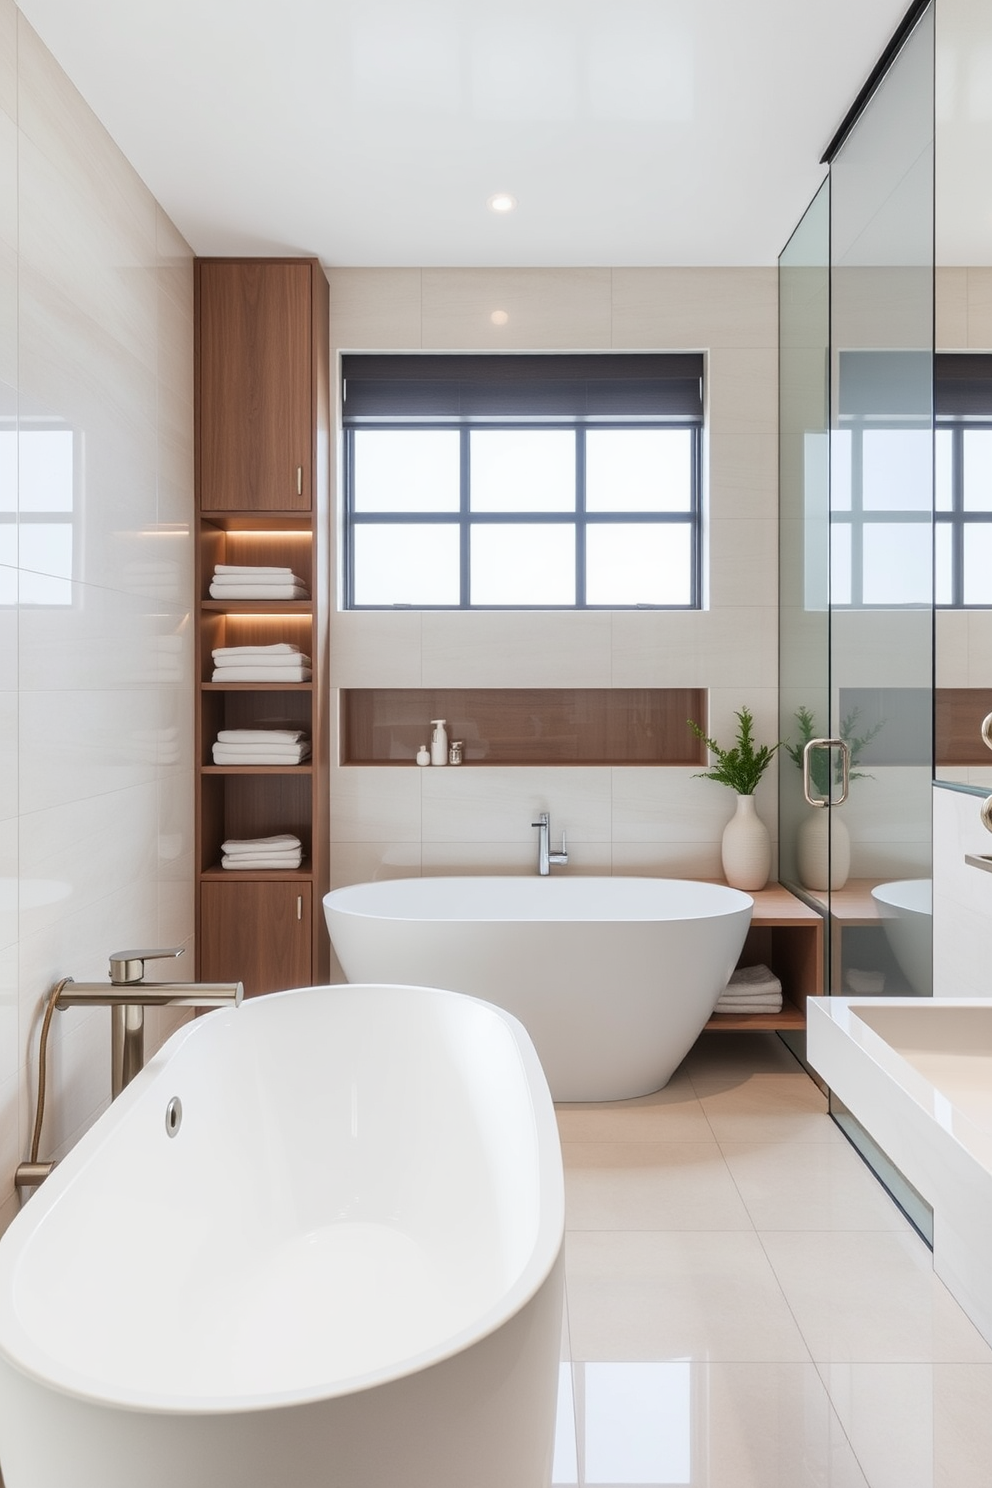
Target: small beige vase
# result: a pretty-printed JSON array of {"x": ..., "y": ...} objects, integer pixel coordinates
[
  {"x": 746, "y": 848},
  {"x": 823, "y": 849}
]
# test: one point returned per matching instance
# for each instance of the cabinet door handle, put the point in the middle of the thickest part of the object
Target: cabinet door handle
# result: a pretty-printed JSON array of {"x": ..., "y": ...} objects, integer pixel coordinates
[
  {"x": 299, "y": 906},
  {"x": 299, "y": 480}
]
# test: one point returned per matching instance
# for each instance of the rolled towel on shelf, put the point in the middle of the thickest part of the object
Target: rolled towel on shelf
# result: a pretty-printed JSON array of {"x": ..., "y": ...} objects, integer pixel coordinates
[{"x": 262, "y": 674}]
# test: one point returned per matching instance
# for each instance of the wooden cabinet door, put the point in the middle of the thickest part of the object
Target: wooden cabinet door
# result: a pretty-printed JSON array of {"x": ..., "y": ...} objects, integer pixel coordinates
[
  {"x": 254, "y": 383},
  {"x": 257, "y": 933}
]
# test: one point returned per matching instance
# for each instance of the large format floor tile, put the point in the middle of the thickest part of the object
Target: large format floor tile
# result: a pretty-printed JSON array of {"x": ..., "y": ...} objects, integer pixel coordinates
[
  {"x": 650, "y": 1186},
  {"x": 871, "y": 1297},
  {"x": 669, "y": 1295},
  {"x": 669, "y": 1115},
  {"x": 801, "y": 1185},
  {"x": 917, "y": 1425},
  {"x": 670, "y": 1421}
]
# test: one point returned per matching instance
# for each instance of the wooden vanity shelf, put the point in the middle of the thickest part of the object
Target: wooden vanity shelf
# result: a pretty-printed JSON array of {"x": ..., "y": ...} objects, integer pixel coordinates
[
  {"x": 526, "y": 725},
  {"x": 787, "y": 936}
]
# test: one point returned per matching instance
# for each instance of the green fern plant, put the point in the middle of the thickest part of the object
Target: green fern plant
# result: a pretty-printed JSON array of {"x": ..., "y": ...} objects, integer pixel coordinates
[{"x": 742, "y": 766}]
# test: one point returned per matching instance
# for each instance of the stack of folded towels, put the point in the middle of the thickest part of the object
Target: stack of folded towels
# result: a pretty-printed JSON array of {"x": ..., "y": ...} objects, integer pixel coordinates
[
  {"x": 751, "y": 989},
  {"x": 252, "y": 581},
  {"x": 279, "y": 663},
  {"x": 284, "y": 851},
  {"x": 261, "y": 746}
]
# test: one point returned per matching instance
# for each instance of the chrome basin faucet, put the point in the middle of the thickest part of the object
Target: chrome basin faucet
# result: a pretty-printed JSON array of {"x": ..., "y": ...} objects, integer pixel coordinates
[{"x": 545, "y": 857}]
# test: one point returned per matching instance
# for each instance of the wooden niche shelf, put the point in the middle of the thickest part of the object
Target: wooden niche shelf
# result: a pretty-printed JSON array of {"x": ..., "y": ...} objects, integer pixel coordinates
[
  {"x": 786, "y": 935},
  {"x": 958, "y": 716},
  {"x": 525, "y": 725}
]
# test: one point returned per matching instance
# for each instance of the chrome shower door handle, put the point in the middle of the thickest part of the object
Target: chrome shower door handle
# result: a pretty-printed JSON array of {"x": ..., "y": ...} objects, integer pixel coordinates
[{"x": 845, "y": 776}]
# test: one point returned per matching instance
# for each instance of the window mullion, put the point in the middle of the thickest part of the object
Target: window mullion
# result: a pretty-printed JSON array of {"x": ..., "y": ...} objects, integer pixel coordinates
[
  {"x": 580, "y": 517},
  {"x": 464, "y": 526}
]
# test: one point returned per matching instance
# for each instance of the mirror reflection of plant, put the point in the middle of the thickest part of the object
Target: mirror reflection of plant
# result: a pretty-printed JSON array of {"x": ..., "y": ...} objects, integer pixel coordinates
[
  {"x": 819, "y": 759},
  {"x": 742, "y": 766}
]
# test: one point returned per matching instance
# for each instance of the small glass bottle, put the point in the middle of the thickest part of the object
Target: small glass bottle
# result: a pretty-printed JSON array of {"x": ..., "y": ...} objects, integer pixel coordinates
[{"x": 455, "y": 752}]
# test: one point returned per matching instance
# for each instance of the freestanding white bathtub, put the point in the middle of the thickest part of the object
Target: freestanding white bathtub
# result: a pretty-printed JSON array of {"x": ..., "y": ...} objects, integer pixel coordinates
[
  {"x": 342, "y": 1271},
  {"x": 917, "y": 1075},
  {"x": 613, "y": 978}
]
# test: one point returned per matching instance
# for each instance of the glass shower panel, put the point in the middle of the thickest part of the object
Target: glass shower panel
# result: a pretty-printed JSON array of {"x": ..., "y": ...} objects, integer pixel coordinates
[
  {"x": 881, "y": 529},
  {"x": 804, "y": 516}
]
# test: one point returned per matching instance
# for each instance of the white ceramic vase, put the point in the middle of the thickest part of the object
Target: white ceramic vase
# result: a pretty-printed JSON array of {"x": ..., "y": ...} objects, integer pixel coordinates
[
  {"x": 823, "y": 849},
  {"x": 746, "y": 848}
]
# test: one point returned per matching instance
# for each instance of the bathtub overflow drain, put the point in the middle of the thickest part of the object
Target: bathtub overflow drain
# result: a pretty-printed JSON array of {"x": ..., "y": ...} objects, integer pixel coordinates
[{"x": 173, "y": 1116}]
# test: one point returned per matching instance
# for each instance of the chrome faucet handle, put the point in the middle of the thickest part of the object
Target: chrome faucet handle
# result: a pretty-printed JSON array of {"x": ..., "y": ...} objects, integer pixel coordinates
[
  {"x": 129, "y": 966},
  {"x": 543, "y": 821}
]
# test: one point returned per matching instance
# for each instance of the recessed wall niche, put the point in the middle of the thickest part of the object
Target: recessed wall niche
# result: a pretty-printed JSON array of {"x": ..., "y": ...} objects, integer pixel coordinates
[{"x": 525, "y": 725}]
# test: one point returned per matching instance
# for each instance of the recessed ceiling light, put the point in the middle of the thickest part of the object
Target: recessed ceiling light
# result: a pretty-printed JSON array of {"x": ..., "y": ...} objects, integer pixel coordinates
[
  {"x": 499, "y": 317},
  {"x": 502, "y": 202}
]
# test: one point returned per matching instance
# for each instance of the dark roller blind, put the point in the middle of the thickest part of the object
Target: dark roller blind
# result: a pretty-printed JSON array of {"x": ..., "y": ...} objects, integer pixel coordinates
[
  {"x": 963, "y": 385},
  {"x": 468, "y": 389}
]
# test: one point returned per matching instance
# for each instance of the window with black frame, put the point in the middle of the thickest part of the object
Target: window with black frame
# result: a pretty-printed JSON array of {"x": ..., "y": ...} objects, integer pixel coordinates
[
  {"x": 963, "y": 480},
  {"x": 522, "y": 482}
]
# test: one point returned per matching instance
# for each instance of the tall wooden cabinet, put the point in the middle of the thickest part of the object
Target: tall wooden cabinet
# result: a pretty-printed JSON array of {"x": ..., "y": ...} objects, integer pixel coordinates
[{"x": 262, "y": 415}]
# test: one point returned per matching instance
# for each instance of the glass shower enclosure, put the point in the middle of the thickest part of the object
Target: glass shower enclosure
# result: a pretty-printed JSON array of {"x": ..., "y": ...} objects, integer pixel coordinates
[{"x": 856, "y": 544}]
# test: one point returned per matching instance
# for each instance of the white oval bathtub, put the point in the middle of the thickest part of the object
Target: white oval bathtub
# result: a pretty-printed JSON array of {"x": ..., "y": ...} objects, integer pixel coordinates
[
  {"x": 343, "y": 1271},
  {"x": 906, "y": 911},
  {"x": 613, "y": 978}
]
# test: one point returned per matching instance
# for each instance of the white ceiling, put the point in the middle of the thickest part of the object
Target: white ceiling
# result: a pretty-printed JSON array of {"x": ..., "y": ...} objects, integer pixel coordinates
[{"x": 372, "y": 132}]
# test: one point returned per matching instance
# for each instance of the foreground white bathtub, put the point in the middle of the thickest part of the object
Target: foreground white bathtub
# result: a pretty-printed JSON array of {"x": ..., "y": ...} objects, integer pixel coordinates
[
  {"x": 918, "y": 1077},
  {"x": 613, "y": 978},
  {"x": 343, "y": 1271}
]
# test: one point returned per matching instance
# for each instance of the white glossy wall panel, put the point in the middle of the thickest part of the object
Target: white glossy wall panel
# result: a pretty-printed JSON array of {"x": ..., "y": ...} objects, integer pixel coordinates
[
  {"x": 96, "y": 810},
  {"x": 962, "y": 897}
]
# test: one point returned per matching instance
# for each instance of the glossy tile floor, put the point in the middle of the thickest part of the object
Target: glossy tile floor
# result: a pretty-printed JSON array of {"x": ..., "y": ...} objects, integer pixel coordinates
[{"x": 745, "y": 1306}]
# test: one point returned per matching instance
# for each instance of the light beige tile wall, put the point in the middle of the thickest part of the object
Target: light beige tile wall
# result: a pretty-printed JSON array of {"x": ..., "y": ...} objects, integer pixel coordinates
[
  {"x": 96, "y": 811},
  {"x": 386, "y": 823}
]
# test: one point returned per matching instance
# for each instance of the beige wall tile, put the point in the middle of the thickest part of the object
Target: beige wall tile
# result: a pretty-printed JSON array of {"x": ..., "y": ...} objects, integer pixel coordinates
[
  {"x": 488, "y": 648},
  {"x": 979, "y": 648},
  {"x": 375, "y": 648},
  {"x": 374, "y": 803},
  {"x": 951, "y": 309},
  {"x": 375, "y": 309},
  {"x": 743, "y": 390},
  {"x": 480, "y": 859},
  {"x": 743, "y": 566},
  {"x": 669, "y": 309},
  {"x": 547, "y": 308},
  {"x": 952, "y": 649},
  {"x": 667, "y": 805},
  {"x": 742, "y": 475},
  {"x": 668, "y": 859},
  {"x": 706, "y": 648},
  {"x": 980, "y": 309},
  {"x": 365, "y": 862},
  {"x": 500, "y": 803}
]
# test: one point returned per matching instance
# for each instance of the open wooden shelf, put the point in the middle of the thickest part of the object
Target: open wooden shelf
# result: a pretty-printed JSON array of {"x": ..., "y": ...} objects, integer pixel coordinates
[{"x": 787, "y": 936}]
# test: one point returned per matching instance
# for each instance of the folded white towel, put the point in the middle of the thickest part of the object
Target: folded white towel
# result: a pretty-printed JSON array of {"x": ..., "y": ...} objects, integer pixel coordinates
[
  {"x": 281, "y": 648},
  {"x": 749, "y": 994},
  {"x": 248, "y": 569},
  {"x": 771, "y": 1005},
  {"x": 262, "y": 736},
  {"x": 258, "y": 591},
  {"x": 229, "y": 755},
  {"x": 267, "y": 746},
  {"x": 748, "y": 977},
  {"x": 263, "y": 861},
  {"x": 257, "y": 576},
  {"x": 284, "y": 659},
  {"x": 260, "y": 844},
  {"x": 747, "y": 1002},
  {"x": 262, "y": 674}
]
